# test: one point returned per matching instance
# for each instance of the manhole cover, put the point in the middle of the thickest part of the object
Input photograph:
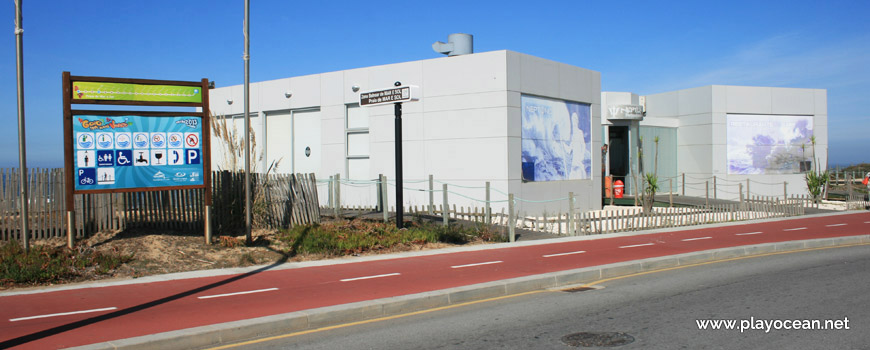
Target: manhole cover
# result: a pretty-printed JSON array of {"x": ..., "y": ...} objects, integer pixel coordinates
[{"x": 600, "y": 339}]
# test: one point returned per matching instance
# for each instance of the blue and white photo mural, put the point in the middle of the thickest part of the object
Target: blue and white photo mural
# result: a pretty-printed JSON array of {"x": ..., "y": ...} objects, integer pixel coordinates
[
  {"x": 556, "y": 140},
  {"x": 768, "y": 144}
]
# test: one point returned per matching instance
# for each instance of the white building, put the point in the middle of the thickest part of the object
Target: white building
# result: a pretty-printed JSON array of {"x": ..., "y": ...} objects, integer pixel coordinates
[{"x": 527, "y": 125}]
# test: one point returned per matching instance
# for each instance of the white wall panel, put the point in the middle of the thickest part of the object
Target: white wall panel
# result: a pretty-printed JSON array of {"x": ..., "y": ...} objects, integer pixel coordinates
[
  {"x": 271, "y": 96},
  {"x": 820, "y": 101},
  {"x": 696, "y": 101},
  {"x": 466, "y": 123},
  {"x": 694, "y": 135},
  {"x": 466, "y": 74},
  {"x": 306, "y": 91},
  {"x": 358, "y": 77},
  {"x": 279, "y": 141},
  {"x": 748, "y": 99},
  {"x": 793, "y": 101},
  {"x": 331, "y": 86},
  {"x": 539, "y": 76}
]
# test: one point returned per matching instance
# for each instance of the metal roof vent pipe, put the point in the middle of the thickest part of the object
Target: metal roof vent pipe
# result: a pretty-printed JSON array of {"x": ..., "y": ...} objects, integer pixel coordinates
[{"x": 457, "y": 44}]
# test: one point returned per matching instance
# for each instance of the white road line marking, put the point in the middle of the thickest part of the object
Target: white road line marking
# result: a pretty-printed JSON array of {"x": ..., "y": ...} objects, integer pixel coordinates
[
  {"x": 237, "y": 293},
  {"x": 370, "y": 277},
  {"x": 867, "y": 222},
  {"x": 61, "y": 314},
  {"x": 637, "y": 245},
  {"x": 563, "y": 254},
  {"x": 795, "y": 229},
  {"x": 477, "y": 264},
  {"x": 833, "y": 225},
  {"x": 695, "y": 239},
  {"x": 748, "y": 233}
]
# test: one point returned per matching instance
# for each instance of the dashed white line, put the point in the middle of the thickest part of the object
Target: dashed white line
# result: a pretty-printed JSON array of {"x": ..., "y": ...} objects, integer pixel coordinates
[
  {"x": 477, "y": 264},
  {"x": 795, "y": 229},
  {"x": 748, "y": 233},
  {"x": 370, "y": 277},
  {"x": 695, "y": 239},
  {"x": 867, "y": 222},
  {"x": 834, "y": 225},
  {"x": 563, "y": 254},
  {"x": 237, "y": 293},
  {"x": 62, "y": 314},
  {"x": 637, "y": 245}
]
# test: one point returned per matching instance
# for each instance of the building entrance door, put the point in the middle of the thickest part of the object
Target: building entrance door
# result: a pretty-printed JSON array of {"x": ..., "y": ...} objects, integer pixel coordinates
[{"x": 619, "y": 152}]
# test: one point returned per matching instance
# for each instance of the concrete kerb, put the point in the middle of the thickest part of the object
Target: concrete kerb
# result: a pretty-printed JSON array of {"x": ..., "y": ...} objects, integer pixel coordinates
[{"x": 311, "y": 320}]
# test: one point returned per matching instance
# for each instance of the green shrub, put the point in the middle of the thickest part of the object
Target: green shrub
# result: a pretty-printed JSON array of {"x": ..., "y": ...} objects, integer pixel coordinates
[
  {"x": 44, "y": 264},
  {"x": 357, "y": 236}
]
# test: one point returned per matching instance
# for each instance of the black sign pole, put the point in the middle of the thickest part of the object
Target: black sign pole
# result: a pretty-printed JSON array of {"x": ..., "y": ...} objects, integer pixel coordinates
[{"x": 399, "y": 188}]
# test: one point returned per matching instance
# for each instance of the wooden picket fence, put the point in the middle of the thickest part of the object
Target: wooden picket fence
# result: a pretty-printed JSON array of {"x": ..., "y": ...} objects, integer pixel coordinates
[
  {"x": 284, "y": 200},
  {"x": 627, "y": 219}
]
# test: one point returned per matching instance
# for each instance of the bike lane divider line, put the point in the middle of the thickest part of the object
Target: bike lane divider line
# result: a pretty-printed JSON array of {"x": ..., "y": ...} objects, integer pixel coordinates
[
  {"x": 237, "y": 293},
  {"x": 795, "y": 229},
  {"x": 563, "y": 254},
  {"x": 62, "y": 314},
  {"x": 370, "y": 277},
  {"x": 637, "y": 245},
  {"x": 695, "y": 239},
  {"x": 835, "y": 225},
  {"x": 477, "y": 264},
  {"x": 748, "y": 233}
]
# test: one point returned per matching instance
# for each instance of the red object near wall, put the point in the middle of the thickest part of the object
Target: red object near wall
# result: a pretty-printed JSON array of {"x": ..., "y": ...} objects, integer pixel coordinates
[{"x": 618, "y": 188}]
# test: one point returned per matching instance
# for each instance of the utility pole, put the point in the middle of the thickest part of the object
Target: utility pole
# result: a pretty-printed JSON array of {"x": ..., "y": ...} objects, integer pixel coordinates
[
  {"x": 247, "y": 58},
  {"x": 22, "y": 151}
]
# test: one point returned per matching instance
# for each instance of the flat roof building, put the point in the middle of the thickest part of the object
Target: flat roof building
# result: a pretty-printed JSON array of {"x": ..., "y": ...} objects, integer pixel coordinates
[{"x": 530, "y": 127}]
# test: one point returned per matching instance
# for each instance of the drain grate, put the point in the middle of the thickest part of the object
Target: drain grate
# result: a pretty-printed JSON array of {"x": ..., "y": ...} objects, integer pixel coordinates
[
  {"x": 578, "y": 289},
  {"x": 597, "y": 339}
]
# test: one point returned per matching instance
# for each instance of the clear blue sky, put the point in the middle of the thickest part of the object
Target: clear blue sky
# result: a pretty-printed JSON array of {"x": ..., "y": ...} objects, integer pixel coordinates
[{"x": 643, "y": 47}]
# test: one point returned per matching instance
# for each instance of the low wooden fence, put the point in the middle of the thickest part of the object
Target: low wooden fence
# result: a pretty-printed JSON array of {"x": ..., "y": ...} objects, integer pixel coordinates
[
  {"x": 622, "y": 219},
  {"x": 279, "y": 201}
]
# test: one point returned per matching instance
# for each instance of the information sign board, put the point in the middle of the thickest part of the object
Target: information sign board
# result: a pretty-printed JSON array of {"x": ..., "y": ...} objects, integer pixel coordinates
[{"x": 137, "y": 151}]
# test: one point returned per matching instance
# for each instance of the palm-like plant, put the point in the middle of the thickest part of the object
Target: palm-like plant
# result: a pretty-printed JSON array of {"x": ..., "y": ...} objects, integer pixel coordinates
[{"x": 815, "y": 178}]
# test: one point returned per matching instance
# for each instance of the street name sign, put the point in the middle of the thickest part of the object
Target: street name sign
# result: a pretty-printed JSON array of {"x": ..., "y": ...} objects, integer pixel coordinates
[{"x": 392, "y": 95}]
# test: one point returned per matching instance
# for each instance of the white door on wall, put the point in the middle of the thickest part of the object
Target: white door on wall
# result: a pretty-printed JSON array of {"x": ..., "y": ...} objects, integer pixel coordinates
[
  {"x": 278, "y": 145},
  {"x": 306, "y": 142}
]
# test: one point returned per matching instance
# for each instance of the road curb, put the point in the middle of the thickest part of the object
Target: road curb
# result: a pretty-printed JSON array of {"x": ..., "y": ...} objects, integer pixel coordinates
[{"x": 313, "y": 319}]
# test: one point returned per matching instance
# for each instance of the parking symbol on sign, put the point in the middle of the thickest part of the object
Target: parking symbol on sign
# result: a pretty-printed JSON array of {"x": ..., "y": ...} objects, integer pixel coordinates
[{"x": 192, "y": 156}]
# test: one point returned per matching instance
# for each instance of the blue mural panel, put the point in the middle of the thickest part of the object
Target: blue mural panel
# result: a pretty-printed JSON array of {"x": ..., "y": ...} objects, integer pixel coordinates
[
  {"x": 556, "y": 140},
  {"x": 768, "y": 144}
]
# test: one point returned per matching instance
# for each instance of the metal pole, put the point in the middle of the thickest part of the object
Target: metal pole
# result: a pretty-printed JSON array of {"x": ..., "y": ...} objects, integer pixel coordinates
[
  {"x": 431, "y": 196},
  {"x": 511, "y": 218},
  {"x": 399, "y": 189},
  {"x": 571, "y": 214},
  {"x": 247, "y": 58},
  {"x": 445, "y": 210},
  {"x": 22, "y": 151},
  {"x": 384, "y": 200},
  {"x": 715, "y": 196},
  {"x": 488, "y": 210},
  {"x": 684, "y": 184}
]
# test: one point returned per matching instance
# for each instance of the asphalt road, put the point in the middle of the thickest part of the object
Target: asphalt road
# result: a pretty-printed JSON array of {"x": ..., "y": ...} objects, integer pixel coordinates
[{"x": 658, "y": 309}]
